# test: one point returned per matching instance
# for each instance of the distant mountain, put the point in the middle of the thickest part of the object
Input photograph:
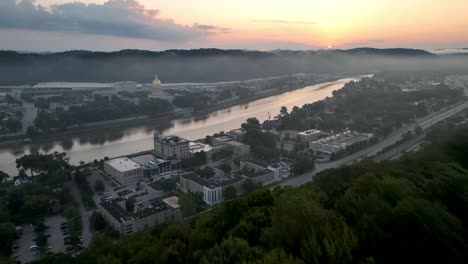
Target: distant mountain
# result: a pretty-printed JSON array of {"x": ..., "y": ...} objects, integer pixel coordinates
[
  {"x": 199, "y": 65},
  {"x": 389, "y": 52}
]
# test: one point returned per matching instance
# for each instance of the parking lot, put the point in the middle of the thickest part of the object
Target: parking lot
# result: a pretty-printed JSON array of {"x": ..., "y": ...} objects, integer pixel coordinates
[
  {"x": 24, "y": 252},
  {"x": 56, "y": 237}
]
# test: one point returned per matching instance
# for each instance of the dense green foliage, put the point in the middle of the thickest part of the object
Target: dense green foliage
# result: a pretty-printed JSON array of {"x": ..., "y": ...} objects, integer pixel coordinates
[
  {"x": 101, "y": 109},
  {"x": 369, "y": 105},
  {"x": 414, "y": 210}
]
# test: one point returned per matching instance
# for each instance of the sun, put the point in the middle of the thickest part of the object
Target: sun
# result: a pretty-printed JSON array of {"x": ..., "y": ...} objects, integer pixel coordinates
[{"x": 329, "y": 46}]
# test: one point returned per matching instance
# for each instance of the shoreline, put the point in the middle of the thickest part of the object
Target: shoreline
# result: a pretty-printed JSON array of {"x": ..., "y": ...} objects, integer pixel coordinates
[{"x": 135, "y": 121}]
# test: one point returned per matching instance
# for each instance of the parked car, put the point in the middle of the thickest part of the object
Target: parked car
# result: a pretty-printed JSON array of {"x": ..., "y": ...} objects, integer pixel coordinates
[{"x": 34, "y": 247}]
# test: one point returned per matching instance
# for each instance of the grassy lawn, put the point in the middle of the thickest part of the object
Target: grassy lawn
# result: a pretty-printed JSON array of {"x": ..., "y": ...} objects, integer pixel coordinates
[{"x": 156, "y": 186}]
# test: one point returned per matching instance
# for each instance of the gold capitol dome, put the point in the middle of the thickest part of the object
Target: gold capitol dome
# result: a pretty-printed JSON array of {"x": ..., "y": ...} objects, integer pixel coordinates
[{"x": 156, "y": 81}]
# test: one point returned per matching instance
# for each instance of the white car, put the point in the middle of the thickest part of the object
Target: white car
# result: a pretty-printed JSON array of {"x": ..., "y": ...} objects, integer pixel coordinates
[{"x": 34, "y": 247}]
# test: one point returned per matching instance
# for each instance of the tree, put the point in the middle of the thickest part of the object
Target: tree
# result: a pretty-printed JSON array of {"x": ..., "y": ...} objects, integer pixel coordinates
[
  {"x": 206, "y": 172},
  {"x": 250, "y": 186},
  {"x": 99, "y": 186},
  {"x": 168, "y": 185},
  {"x": 284, "y": 110},
  {"x": 13, "y": 125},
  {"x": 3, "y": 176},
  {"x": 230, "y": 193},
  {"x": 231, "y": 250},
  {"x": 226, "y": 167},
  {"x": 191, "y": 203}
]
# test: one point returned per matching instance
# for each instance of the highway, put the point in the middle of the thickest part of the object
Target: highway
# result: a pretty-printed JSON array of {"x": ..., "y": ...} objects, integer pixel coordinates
[{"x": 371, "y": 151}]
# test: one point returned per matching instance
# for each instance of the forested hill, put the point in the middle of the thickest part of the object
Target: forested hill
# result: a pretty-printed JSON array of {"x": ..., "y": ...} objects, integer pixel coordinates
[
  {"x": 414, "y": 210},
  {"x": 201, "y": 65}
]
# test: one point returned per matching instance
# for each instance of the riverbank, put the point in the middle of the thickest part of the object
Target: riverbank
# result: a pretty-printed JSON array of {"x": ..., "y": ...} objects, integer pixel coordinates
[{"x": 104, "y": 126}]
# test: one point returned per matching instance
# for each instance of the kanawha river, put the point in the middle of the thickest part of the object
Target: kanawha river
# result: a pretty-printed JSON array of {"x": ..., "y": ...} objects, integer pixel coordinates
[{"x": 117, "y": 142}]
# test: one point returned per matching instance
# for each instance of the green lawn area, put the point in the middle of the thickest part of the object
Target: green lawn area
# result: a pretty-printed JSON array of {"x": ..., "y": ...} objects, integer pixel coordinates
[{"x": 156, "y": 186}]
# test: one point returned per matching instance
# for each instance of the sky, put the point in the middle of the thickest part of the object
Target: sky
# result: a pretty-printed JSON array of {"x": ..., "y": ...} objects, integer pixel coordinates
[{"x": 107, "y": 25}]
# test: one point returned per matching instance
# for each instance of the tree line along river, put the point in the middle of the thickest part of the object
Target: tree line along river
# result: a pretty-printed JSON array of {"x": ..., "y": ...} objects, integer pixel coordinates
[{"x": 90, "y": 146}]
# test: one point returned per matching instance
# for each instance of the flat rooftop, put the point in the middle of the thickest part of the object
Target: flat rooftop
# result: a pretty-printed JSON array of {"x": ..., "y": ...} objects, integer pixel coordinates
[
  {"x": 123, "y": 164},
  {"x": 197, "y": 147},
  {"x": 310, "y": 132},
  {"x": 345, "y": 138},
  {"x": 211, "y": 182},
  {"x": 172, "y": 201},
  {"x": 147, "y": 160},
  {"x": 223, "y": 138},
  {"x": 237, "y": 131},
  {"x": 73, "y": 85},
  {"x": 171, "y": 140}
]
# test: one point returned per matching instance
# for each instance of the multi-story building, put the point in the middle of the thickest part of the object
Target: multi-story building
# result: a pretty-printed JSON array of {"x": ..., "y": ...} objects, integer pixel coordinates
[
  {"x": 154, "y": 166},
  {"x": 237, "y": 134},
  {"x": 171, "y": 146},
  {"x": 145, "y": 215},
  {"x": 338, "y": 142},
  {"x": 124, "y": 170},
  {"x": 265, "y": 173},
  {"x": 212, "y": 188},
  {"x": 226, "y": 142},
  {"x": 309, "y": 135}
]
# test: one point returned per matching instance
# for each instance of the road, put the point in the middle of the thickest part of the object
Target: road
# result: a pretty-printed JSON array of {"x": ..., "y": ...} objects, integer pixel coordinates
[{"x": 391, "y": 139}]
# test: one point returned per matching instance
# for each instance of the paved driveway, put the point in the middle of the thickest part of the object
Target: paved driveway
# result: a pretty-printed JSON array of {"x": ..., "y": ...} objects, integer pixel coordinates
[
  {"x": 56, "y": 236},
  {"x": 24, "y": 253}
]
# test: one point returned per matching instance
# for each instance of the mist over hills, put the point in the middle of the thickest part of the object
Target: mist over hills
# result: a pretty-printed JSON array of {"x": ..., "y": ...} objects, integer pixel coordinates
[{"x": 210, "y": 65}]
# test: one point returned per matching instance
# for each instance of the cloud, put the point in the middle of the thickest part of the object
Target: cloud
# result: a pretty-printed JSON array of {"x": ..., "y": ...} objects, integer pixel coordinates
[
  {"x": 120, "y": 18},
  {"x": 275, "y": 21}
]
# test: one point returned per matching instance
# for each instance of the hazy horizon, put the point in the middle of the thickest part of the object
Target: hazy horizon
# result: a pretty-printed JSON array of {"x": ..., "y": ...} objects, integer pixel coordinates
[{"x": 110, "y": 25}]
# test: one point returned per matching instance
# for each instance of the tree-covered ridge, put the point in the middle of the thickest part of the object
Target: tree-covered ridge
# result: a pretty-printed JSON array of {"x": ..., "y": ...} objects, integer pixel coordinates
[{"x": 414, "y": 210}]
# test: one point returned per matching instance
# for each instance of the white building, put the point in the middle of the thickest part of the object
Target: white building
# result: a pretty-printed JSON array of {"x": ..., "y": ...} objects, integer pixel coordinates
[
  {"x": 195, "y": 147},
  {"x": 338, "y": 142},
  {"x": 124, "y": 170}
]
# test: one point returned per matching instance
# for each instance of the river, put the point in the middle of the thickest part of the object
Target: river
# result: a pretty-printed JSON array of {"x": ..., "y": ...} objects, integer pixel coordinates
[{"x": 130, "y": 140}]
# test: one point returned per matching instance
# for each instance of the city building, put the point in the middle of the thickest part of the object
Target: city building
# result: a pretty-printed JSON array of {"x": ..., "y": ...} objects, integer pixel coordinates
[
  {"x": 145, "y": 215},
  {"x": 258, "y": 170},
  {"x": 280, "y": 168},
  {"x": 265, "y": 173},
  {"x": 124, "y": 170},
  {"x": 212, "y": 188},
  {"x": 264, "y": 177},
  {"x": 338, "y": 142},
  {"x": 195, "y": 147},
  {"x": 154, "y": 166},
  {"x": 171, "y": 146},
  {"x": 237, "y": 134},
  {"x": 226, "y": 142},
  {"x": 309, "y": 135}
]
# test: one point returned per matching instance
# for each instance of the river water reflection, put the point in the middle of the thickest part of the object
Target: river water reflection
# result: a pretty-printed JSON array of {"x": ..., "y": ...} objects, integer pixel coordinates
[{"x": 129, "y": 140}]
